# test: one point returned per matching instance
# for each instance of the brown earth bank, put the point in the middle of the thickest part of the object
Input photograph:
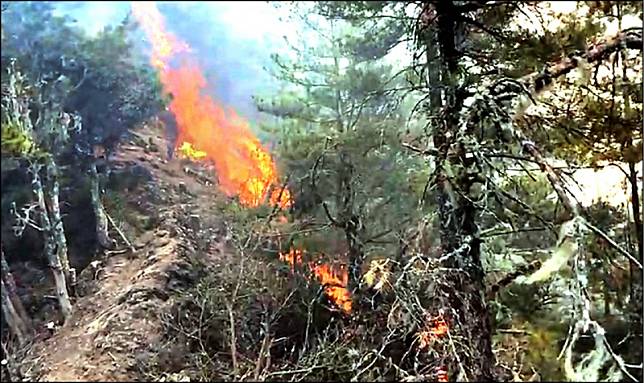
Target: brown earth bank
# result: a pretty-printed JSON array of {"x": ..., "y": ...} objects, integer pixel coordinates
[{"x": 122, "y": 295}]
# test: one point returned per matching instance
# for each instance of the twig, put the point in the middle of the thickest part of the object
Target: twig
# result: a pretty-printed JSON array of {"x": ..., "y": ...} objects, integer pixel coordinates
[
  {"x": 617, "y": 358},
  {"x": 493, "y": 234},
  {"x": 129, "y": 245},
  {"x": 277, "y": 206},
  {"x": 376, "y": 355},
  {"x": 458, "y": 359},
  {"x": 613, "y": 244},
  {"x": 513, "y": 331},
  {"x": 427, "y": 151},
  {"x": 233, "y": 341},
  {"x": 266, "y": 344},
  {"x": 287, "y": 372}
]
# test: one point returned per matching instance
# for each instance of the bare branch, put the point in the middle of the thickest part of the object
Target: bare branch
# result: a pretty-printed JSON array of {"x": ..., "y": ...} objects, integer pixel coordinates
[
  {"x": 427, "y": 151},
  {"x": 614, "y": 244}
]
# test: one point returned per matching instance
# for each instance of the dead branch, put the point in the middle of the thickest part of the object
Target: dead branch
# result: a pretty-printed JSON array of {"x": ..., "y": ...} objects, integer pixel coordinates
[
  {"x": 328, "y": 214},
  {"x": 613, "y": 244},
  {"x": 233, "y": 340},
  {"x": 426, "y": 151},
  {"x": 513, "y": 331},
  {"x": 617, "y": 358},
  {"x": 129, "y": 245},
  {"x": 264, "y": 353},
  {"x": 553, "y": 177}
]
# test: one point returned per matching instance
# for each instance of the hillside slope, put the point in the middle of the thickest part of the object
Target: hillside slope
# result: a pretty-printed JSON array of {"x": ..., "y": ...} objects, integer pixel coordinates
[{"x": 117, "y": 320}]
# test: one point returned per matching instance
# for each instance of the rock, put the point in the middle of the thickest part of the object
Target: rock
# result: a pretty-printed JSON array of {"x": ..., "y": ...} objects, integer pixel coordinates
[
  {"x": 180, "y": 275},
  {"x": 160, "y": 242},
  {"x": 194, "y": 222},
  {"x": 182, "y": 187},
  {"x": 144, "y": 239}
]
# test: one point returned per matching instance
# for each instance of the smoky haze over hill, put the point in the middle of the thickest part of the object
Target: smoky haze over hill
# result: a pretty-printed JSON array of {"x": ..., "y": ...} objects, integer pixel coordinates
[{"x": 231, "y": 50}]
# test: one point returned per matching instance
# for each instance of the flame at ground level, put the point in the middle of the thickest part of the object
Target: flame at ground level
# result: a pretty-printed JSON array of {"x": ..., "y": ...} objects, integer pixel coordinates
[
  {"x": 244, "y": 167},
  {"x": 434, "y": 329},
  {"x": 334, "y": 280}
]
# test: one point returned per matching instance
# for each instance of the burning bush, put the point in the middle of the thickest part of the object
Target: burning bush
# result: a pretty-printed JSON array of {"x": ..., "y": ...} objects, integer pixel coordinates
[{"x": 263, "y": 318}]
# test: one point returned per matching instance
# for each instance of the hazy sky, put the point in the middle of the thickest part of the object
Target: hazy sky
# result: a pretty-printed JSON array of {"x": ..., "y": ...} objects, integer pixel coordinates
[{"x": 231, "y": 40}]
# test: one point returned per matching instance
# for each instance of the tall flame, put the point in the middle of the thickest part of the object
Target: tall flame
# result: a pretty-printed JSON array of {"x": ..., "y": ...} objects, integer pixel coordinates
[{"x": 244, "y": 167}]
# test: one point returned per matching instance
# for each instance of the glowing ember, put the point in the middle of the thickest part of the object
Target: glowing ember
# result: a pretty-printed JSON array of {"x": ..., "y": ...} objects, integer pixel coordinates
[
  {"x": 244, "y": 167},
  {"x": 441, "y": 375},
  {"x": 188, "y": 151},
  {"x": 293, "y": 257},
  {"x": 434, "y": 329},
  {"x": 334, "y": 280}
]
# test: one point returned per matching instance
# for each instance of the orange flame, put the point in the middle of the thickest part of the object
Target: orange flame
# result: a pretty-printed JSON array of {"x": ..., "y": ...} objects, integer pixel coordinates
[
  {"x": 434, "y": 328},
  {"x": 244, "y": 167},
  {"x": 441, "y": 375},
  {"x": 293, "y": 257},
  {"x": 334, "y": 280}
]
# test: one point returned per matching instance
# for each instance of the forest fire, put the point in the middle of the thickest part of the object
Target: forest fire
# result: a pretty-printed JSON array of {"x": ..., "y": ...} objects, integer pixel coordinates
[
  {"x": 334, "y": 279},
  {"x": 244, "y": 167}
]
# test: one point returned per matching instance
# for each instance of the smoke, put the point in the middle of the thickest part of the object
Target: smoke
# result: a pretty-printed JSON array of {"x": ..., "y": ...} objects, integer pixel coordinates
[{"x": 231, "y": 42}]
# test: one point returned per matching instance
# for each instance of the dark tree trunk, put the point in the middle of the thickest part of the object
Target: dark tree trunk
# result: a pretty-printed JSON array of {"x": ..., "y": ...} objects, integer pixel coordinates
[
  {"x": 102, "y": 233},
  {"x": 458, "y": 216},
  {"x": 10, "y": 313},
  {"x": 12, "y": 294},
  {"x": 637, "y": 212}
]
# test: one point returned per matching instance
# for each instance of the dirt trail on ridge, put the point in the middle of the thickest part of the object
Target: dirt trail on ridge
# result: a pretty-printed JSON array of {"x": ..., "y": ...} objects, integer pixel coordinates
[{"x": 119, "y": 319}]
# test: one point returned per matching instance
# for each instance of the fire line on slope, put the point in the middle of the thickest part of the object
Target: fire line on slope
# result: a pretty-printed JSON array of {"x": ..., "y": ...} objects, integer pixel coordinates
[{"x": 207, "y": 130}]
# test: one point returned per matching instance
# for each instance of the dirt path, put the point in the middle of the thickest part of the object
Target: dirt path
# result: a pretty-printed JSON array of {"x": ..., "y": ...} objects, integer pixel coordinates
[{"x": 120, "y": 318}]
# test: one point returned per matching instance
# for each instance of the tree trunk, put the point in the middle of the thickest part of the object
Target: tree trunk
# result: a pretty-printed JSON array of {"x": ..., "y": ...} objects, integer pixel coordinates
[
  {"x": 102, "y": 233},
  {"x": 458, "y": 216},
  {"x": 12, "y": 292},
  {"x": 58, "y": 230},
  {"x": 16, "y": 325},
  {"x": 50, "y": 246}
]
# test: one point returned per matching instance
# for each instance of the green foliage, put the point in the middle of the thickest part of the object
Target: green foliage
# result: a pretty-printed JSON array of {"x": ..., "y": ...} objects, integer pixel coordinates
[
  {"x": 338, "y": 117},
  {"x": 15, "y": 142},
  {"x": 542, "y": 352},
  {"x": 99, "y": 78}
]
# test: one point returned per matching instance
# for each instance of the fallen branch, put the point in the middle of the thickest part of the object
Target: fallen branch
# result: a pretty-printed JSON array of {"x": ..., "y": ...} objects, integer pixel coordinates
[
  {"x": 618, "y": 359},
  {"x": 129, "y": 245}
]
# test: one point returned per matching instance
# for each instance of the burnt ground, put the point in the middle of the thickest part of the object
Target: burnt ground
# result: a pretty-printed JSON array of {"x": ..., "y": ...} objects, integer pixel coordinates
[{"x": 121, "y": 295}]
